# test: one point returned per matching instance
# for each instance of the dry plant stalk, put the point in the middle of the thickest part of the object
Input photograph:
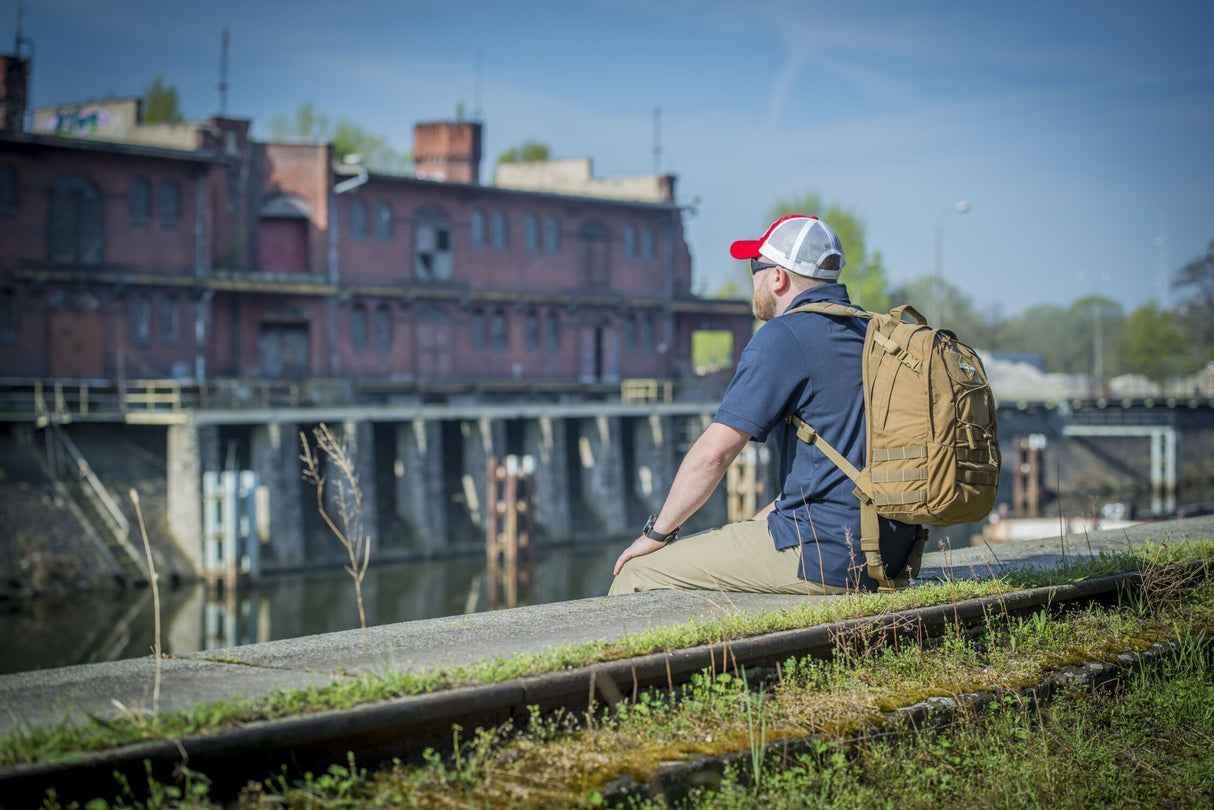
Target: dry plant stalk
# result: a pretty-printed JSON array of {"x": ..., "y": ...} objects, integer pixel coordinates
[{"x": 349, "y": 504}]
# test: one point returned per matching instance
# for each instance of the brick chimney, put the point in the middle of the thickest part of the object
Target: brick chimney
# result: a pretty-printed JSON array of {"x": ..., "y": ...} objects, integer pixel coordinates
[
  {"x": 448, "y": 151},
  {"x": 14, "y": 92}
]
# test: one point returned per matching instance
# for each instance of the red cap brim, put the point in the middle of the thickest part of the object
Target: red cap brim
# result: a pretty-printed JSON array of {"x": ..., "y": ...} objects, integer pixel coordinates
[
  {"x": 746, "y": 248},
  {"x": 749, "y": 248}
]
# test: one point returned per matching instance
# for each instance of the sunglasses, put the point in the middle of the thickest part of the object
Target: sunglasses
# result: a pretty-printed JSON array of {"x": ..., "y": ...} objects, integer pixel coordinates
[{"x": 756, "y": 265}]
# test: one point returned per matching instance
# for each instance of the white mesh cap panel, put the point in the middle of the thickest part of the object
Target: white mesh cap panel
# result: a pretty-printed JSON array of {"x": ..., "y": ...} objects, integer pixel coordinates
[{"x": 807, "y": 247}]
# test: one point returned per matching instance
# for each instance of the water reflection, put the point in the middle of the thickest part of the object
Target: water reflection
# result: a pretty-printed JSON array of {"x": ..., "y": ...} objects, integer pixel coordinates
[{"x": 87, "y": 628}]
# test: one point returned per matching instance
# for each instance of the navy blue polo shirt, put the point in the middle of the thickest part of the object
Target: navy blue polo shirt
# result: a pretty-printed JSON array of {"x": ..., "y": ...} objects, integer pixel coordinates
[{"x": 811, "y": 363}]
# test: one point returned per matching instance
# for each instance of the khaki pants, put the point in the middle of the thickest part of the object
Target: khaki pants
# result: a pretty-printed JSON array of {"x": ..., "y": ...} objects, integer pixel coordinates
[{"x": 738, "y": 557}]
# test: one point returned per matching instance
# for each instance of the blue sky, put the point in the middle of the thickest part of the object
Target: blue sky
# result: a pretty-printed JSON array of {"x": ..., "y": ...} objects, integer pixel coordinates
[{"x": 1081, "y": 133}]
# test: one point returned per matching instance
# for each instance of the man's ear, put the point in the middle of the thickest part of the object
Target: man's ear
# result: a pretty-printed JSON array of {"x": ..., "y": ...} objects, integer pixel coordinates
[{"x": 780, "y": 280}]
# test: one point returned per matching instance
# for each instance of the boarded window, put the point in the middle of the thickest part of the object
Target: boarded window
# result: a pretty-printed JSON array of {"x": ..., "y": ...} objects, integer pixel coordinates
[
  {"x": 432, "y": 260},
  {"x": 630, "y": 242},
  {"x": 552, "y": 332},
  {"x": 75, "y": 211},
  {"x": 170, "y": 204},
  {"x": 141, "y": 201}
]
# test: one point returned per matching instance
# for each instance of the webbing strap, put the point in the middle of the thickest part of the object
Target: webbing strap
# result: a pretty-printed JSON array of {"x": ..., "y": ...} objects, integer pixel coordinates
[
  {"x": 827, "y": 308},
  {"x": 892, "y": 348},
  {"x": 870, "y": 544},
  {"x": 810, "y": 436},
  {"x": 899, "y": 453},
  {"x": 899, "y": 498},
  {"x": 979, "y": 455},
  {"x": 979, "y": 477},
  {"x": 899, "y": 476}
]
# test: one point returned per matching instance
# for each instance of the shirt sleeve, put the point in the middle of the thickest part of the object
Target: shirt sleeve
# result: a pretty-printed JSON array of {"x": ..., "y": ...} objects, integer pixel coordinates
[{"x": 772, "y": 377}]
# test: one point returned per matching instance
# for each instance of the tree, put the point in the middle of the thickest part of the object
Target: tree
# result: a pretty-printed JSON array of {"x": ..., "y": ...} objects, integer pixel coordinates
[
  {"x": 865, "y": 272},
  {"x": 1153, "y": 345},
  {"x": 1196, "y": 280},
  {"x": 347, "y": 137},
  {"x": 528, "y": 152},
  {"x": 160, "y": 104}
]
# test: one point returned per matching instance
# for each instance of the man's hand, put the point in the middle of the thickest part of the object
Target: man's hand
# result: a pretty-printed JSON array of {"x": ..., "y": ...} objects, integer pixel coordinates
[{"x": 639, "y": 548}]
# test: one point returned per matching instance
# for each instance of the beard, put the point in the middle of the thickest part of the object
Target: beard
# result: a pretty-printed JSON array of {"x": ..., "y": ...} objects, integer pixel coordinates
[{"x": 763, "y": 305}]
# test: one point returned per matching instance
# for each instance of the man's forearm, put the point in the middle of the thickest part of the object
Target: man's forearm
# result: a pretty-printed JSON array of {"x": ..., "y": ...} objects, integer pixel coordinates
[{"x": 701, "y": 471}]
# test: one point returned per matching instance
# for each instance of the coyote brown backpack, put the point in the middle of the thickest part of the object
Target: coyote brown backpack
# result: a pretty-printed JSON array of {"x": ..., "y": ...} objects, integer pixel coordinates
[{"x": 933, "y": 444}]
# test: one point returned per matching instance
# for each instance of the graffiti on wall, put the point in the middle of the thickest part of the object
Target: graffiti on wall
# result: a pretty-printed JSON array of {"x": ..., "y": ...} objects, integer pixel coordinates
[{"x": 78, "y": 122}]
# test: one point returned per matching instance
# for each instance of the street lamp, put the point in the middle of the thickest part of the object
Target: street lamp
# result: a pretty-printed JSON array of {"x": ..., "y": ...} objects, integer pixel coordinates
[{"x": 937, "y": 280}]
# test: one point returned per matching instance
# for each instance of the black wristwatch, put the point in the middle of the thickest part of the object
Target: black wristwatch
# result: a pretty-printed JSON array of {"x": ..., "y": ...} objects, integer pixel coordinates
[{"x": 661, "y": 538}]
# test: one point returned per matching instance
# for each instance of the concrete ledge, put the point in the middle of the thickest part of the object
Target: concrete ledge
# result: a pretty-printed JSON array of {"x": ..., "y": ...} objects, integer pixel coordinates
[{"x": 45, "y": 697}]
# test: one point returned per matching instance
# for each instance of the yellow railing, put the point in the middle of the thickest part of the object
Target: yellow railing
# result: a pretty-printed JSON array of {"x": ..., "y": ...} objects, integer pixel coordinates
[{"x": 646, "y": 391}]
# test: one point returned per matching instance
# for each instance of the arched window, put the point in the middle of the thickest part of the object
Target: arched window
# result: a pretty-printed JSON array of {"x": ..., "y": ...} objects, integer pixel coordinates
[
  {"x": 141, "y": 201},
  {"x": 497, "y": 330},
  {"x": 141, "y": 320},
  {"x": 170, "y": 320},
  {"x": 476, "y": 325},
  {"x": 383, "y": 327},
  {"x": 432, "y": 260},
  {"x": 648, "y": 245},
  {"x": 75, "y": 231},
  {"x": 358, "y": 326},
  {"x": 499, "y": 231},
  {"x": 476, "y": 229},
  {"x": 383, "y": 222},
  {"x": 552, "y": 331},
  {"x": 358, "y": 219},
  {"x": 170, "y": 204},
  {"x": 532, "y": 331},
  {"x": 593, "y": 239},
  {"x": 531, "y": 233},
  {"x": 552, "y": 235},
  {"x": 630, "y": 242}
]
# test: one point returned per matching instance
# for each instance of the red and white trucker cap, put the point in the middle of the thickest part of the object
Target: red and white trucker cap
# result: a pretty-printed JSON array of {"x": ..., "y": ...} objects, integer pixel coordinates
[{"x": 805, "y": 245}]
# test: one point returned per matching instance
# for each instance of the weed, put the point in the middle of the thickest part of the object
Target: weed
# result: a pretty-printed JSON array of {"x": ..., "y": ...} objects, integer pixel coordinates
[{"x": 349, "y": 505}]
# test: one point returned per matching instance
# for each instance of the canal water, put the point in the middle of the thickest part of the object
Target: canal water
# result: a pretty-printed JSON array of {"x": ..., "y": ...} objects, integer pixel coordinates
[{"x": 90, "y": 627}]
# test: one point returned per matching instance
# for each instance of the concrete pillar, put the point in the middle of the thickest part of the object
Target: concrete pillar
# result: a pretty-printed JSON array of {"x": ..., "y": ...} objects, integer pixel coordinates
[
  {"x": 602, "y": 473},
  {"x": 191, "y": 449},
  {"x": 482, "y": 438},
  {"x": 421, "y": 501},
  {"x": 545, "y": 439},
  {"x": 655, "y": 461},
  {"x": 274, "y": 452},
  {"x": 360, "y": 444}
]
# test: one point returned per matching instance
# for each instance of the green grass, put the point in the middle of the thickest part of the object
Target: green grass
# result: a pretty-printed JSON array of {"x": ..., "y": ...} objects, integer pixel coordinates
[{"x": 66, "y": 740}]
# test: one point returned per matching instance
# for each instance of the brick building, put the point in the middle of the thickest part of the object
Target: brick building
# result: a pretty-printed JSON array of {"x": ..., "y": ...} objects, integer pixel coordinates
[{"x": 192, "y": 252}]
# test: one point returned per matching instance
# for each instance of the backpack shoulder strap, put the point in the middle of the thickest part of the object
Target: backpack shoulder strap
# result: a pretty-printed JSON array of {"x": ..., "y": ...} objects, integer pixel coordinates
[{"x": 828, "y": 308}]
